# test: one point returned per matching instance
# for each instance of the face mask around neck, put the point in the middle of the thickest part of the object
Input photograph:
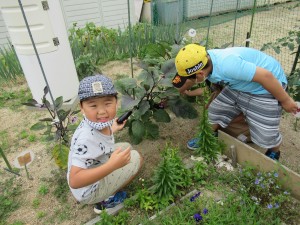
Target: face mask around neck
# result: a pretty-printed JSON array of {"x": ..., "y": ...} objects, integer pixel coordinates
[{"x": 99, "y": 125}]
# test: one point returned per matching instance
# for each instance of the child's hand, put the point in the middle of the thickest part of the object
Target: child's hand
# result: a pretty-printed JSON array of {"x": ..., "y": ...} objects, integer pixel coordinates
[
  {"x": 120, "y": 158},
  {"x": 116, "y": 127},
  {"x": 289, "y": 105}
]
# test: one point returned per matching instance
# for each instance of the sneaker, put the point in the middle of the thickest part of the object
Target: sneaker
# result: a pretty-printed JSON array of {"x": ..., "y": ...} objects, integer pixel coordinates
[
  {"x": 193, "y": 143},
  {"x": 273, "y": 155},
  {"x": 99, "y": 207},
  {"x": 118, "y": 198},
  {"x": 111, "y": 202}
]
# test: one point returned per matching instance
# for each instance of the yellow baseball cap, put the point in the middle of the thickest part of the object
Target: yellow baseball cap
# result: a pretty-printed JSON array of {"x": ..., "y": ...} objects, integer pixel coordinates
[{"x": 190, "y": 59}]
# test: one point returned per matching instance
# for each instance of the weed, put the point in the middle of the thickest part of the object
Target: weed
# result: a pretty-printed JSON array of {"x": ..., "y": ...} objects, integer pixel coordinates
[
  {"x": 17, "y": 223},
  {"x": 121, "y": 219},
  {"x": 43, "y": 190},
  {"x": 24, "y": 134},
  {"x": 36, "y": 203},
  {"x": 41, "y": 214},
  {"x": 31, "y": 138}
]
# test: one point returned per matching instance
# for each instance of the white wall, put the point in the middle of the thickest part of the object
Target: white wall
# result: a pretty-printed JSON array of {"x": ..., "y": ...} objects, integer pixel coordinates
[
  {"x": 108, "y": 13},
  {"x": 3, "y": 32}
]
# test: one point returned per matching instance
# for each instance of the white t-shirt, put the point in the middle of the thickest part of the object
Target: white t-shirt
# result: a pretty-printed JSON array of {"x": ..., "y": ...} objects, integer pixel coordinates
[{"x": 89, "y": 148}]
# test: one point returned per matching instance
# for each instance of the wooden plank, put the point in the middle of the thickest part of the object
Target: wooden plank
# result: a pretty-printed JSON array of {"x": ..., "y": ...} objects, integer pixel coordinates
[{"x": 244, "y": 152}]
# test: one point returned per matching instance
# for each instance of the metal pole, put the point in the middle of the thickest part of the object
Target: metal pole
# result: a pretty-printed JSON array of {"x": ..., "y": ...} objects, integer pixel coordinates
[
  {"x": 251, "y": 25},
  {"x": 236, "y": 12},
  {"x": 296, "y": 60},
  {"x": 130, "y": 38},
  {"x": 9, "y": 169},
  {"x": 211, "y": 7}
]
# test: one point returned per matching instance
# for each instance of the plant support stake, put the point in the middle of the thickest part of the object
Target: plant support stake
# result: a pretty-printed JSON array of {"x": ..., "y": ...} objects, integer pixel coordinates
[{"x": 9, "y": 169}]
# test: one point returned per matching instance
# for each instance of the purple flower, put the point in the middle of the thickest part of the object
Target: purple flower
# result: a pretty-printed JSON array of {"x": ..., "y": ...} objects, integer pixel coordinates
[
  {"x": 257, "y": 181},
  {"x": 276, "y": 205},
  {"x": 205, "y": 211},
  {"x": 195, "y": 196},
  {"x": 270, "y": 206},
  {"x": 74, "y": 119},
  {"x": 275, "y": 174},
  {"x": 197, "y": 217}
]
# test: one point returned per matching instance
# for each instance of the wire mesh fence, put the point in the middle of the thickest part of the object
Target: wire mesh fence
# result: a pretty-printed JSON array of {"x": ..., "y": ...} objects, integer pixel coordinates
[{"x": 250, "y": 23}]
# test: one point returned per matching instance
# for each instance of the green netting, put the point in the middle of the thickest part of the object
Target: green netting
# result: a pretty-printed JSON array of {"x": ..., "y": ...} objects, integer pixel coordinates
[{"x": 232, "y": 21}]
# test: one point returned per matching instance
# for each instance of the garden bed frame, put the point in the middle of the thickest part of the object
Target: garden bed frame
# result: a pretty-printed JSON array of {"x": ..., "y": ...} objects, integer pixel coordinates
[{"x": 245, "y": 153}]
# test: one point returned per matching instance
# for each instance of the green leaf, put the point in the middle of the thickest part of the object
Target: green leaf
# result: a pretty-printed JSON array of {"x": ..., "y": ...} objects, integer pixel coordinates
[
  {"x": 124, "y": 84},
  {"x": 145, "y": 77},
  {"x": 47, "y": 119},
  {"x": 138, "y": 129},
  {"x": 128, "y": 103},
  {"x": 31, "y": 102},
  {"x": 168, "y": 67},
  {"x": 160, "y": 115},
  {"x": 38, "y": 126},
  {"x": 60, "y": 154},
  {"x": 143, "y": 107},
  {"x": 166, "y": 81},
  {"x": 47, "y": 103},
  {"x": 183, "y": 108},
  {"x": 62, "y": 114},
  {"x": 155, "y": 50},
  {"x": 152, "y": 130},
  {"x": 291, "y": 46},
  {"x": 58, "y": 102},
  {"x": 46, "y": 90},
  {"x": 276, "y": 49}
]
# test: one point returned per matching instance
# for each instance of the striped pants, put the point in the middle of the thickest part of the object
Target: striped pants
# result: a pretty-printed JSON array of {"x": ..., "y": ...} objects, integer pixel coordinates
[{"x": 262, "y": 112}]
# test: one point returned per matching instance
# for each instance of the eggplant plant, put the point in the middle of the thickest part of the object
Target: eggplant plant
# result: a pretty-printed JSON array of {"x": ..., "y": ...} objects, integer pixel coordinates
[
  {"x": 57, "y": 126},
  {"x": 151, "y": 96}
]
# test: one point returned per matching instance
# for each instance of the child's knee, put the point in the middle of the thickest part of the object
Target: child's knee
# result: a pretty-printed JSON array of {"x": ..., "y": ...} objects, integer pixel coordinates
[{"x": 123, "y": 145}]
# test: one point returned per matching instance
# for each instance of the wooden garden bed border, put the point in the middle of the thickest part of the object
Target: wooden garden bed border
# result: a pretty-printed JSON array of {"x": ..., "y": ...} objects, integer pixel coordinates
[{"x": 244, "y": 152}]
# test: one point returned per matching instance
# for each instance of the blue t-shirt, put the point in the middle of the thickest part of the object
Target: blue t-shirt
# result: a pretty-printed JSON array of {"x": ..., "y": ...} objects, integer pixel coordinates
[{"x": 236, "y": 67}]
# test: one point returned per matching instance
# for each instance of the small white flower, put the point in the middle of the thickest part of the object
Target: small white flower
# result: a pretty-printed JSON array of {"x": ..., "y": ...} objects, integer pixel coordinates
[{"x": 192, "y": 32}]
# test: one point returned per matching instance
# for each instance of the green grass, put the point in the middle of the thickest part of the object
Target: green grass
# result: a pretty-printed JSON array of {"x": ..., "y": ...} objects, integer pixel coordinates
[
  {"x": 9, "y": 192},
  {"x": 13, "y": 99}
]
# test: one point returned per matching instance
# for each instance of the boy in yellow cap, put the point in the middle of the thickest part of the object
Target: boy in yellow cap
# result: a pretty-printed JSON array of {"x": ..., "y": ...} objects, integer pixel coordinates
[{"x": 254, "y": 83}]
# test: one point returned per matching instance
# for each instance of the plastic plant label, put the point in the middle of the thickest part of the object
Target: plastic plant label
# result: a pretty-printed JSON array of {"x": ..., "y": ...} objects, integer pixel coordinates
[{"x": 25, "y": 158}]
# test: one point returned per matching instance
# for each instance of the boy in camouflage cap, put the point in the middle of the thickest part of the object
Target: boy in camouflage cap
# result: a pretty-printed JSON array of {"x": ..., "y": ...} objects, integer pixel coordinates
[{"x": 98, "y": 168}]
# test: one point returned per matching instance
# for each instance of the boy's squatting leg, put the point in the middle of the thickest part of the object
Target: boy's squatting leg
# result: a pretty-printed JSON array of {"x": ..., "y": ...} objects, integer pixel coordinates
[{"x": 132, "y": 177}]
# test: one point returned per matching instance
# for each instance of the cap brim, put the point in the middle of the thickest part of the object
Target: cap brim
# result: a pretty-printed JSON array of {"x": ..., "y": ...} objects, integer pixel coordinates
[{"x": 178, "y": 81}]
